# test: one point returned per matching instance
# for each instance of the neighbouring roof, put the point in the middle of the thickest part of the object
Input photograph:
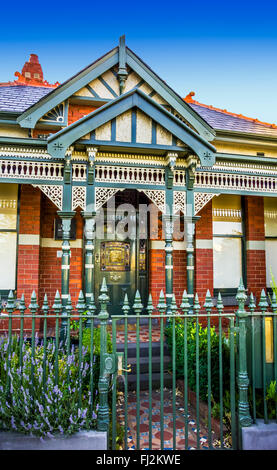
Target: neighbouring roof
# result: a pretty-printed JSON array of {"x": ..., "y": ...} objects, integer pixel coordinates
[
  {"x": 221, "y": 119},
  {"x": 18, "y": 98}
]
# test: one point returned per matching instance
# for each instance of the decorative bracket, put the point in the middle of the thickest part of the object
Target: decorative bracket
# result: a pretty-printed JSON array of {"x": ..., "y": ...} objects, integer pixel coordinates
[
  {"x": 78, "y": 197},
  {"x": 53, "y": 192},
  {"x": 201, "y": 199},
  {"x": 179, "y": 202},
  {"x": 91, "y": 152},
  {"x": 171, "y": 163},
  {"x": 102, "y": 195},
  {"x": 157, "y": 196}
]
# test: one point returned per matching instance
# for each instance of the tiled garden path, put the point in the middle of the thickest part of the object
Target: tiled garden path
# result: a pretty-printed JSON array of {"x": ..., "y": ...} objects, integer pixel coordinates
[{"x": 168, "y": 422}]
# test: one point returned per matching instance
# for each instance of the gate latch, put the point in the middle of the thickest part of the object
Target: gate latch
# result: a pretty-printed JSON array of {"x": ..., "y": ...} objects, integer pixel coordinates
[
  {"x": 120, "y": 365},
  {"x": 110, "y": 365}
]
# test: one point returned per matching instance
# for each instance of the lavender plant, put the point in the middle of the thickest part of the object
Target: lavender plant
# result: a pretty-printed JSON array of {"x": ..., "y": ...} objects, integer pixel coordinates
[{"x": 43, "y": 397}]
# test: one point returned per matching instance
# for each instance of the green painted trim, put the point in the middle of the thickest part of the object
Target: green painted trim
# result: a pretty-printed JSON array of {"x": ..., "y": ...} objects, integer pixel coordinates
[
  {"x": 154, "y": 133},
  {"x": 114, "y": 144},
  {"x": 8, "y": 122},
  {"x": 59, "y": 142},
  {"x": 89, "y": 100},
  {"x": 22, "y": 141},
  {"x": 106, "y": 85},
  {"x": 32, "y": 181},
  {"x": 113, "y": 130},
  {"x": 233, "y": 135},
  {"x": 91, "y": 90},
  {"x": 246, "y": 158},
  {"x": 136, "y": 64},
  {"x": 134, "y": 126},
  {"x": 237, "y": 192},
  {"x": 30, "y": 117}
]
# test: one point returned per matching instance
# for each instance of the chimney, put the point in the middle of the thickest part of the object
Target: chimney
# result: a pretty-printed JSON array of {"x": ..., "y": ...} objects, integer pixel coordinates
[{"x": 32, "y": 69}]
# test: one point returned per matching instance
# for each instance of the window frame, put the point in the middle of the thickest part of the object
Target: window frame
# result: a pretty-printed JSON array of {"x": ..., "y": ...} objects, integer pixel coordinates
[
  {"x": 232, "y": 291},
  {"x": 5, "y": 292}
]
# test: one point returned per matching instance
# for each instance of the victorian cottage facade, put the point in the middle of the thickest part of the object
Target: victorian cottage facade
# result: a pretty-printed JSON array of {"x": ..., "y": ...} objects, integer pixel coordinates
[{"x": 117, "y": 130}]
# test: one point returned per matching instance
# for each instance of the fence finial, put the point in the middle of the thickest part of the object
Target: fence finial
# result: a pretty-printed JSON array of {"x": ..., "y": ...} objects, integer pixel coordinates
[
  {"x": 208, "y": 302},
  {"x": 196, "y": 305},
  {"x": 241, "y": 295},
  {"x": 57, "y": 305},
  {"x": 126, "y": 306},
  {"x": 252, "y": 304},
  {"x": 161, "y": 305},
  {"x": 150, "y": 306},
  {"x": 10, "y": 303},
  {"x": 185, "y": 305},
  {"x": 263, "y": 304},
  {"x": 219, "y": 304},
  {"x": 137, "y": 307},
  {"x": 33, "y": 304},
  {"x": 173, "y": 305},
  {"x": 22, "y": 305},
  {"x": 274, "y": 302},
  {"x": 81, "y": 304}
]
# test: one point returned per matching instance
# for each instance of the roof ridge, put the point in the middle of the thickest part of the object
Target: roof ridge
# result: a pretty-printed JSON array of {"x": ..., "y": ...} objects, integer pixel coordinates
[{"x": 188, "y": 99}]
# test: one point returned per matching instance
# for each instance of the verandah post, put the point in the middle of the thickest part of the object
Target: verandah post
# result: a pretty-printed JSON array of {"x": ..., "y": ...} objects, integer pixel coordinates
[
  {"x": 66, "y": 217},
  {"x": 169, "y": 228},
  {"x": 245, "y": 419}
]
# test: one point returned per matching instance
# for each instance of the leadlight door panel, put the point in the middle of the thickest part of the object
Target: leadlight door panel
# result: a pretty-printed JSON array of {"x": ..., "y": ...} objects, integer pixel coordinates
[{"x": 116, "y": 261}]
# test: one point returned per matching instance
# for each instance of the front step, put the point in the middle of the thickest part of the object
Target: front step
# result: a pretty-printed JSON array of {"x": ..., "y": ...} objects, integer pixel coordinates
[{"x": 144, "y": 366}]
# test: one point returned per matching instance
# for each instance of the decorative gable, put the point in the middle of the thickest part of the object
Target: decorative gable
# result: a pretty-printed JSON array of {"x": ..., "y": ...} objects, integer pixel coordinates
[
  {"x": 132, "y": 120},
  {"x": 114, "y": 74},
  {"x": 135, "y": 126}
]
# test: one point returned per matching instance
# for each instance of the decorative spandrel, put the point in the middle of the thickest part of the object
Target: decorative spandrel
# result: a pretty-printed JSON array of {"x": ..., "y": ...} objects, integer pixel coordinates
[{"x": 115, "y": 256}]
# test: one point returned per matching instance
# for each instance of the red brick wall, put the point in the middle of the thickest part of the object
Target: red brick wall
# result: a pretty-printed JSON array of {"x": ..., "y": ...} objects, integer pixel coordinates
[
  {"x": 179, "y": 274},
  {"x": 77, "y": 111},
  {"x": 28, "y": 255},
  {"x": 254, "y": 231},
  {"x": 50, "y": 264},
  {"x": 204, "y": 256},
  {"x": 156, "y": 274}
]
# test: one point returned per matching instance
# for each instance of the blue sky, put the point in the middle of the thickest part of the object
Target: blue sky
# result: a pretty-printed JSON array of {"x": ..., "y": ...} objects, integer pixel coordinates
[{"x": 223, "y": 51}]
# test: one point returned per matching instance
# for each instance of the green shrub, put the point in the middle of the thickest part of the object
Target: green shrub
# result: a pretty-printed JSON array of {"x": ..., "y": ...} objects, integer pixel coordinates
[{"x": 203, "y": 363}]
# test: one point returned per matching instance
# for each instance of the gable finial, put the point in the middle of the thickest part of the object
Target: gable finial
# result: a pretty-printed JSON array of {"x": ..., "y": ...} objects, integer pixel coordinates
[{"x": 122, "y": 71}]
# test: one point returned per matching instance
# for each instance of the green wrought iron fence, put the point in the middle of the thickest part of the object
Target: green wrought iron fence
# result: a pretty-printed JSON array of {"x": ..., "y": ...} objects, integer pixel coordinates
[{"x": 225, "y": 362}]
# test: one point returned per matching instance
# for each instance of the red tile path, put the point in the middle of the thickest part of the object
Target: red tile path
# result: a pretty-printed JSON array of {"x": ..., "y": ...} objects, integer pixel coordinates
[{"x": 168, "y": 426}]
